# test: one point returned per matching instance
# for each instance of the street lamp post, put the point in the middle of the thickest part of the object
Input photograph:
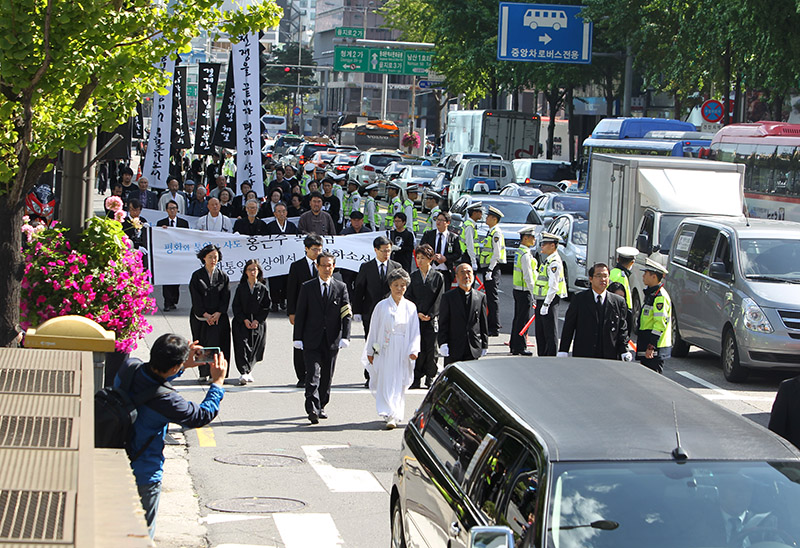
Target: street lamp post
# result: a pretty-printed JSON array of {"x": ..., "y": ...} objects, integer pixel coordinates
[{"x": 367, "y": 6}]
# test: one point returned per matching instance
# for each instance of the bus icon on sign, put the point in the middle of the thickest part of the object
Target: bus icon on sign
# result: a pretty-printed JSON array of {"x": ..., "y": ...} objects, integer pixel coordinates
[{"x": 555, "y": 19}]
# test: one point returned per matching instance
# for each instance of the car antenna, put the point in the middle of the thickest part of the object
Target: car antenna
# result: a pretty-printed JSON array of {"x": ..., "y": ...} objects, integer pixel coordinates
[{"x": 678, "y": 453}]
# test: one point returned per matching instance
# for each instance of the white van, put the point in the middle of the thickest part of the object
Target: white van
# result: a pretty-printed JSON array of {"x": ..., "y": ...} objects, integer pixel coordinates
[
  {"x": 482, "y": 175},
  {"x": 555, "y": 19}
]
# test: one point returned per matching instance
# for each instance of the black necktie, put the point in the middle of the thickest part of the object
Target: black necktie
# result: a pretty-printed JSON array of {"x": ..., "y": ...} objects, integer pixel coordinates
[
  {"x": 313, "y": 270},
  {"x": 383, "y": 271},
  {"x": 439, "y": 244},
  {"x": 325, "y": 293},
  {"x": 172, "y": 222}
]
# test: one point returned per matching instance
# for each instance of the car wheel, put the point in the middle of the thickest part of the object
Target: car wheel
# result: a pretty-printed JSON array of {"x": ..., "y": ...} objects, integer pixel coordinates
[
  {"x": 680, "y": 348},
  {"x": 731, "y": 368},
  {"x": 398, "y": 538}
]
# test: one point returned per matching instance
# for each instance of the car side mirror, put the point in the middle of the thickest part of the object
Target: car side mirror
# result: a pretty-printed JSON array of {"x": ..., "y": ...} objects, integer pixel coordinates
[
  {"x": 719, "y": 272},
  {"x": 643, "y": 244},
  {"x": 491, "y": 537}
]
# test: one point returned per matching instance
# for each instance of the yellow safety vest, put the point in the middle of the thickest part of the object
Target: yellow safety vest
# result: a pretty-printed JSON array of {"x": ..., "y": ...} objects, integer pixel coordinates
[
  {"x": 487, "y": 250},
  {"x": 542, "y": 285}
]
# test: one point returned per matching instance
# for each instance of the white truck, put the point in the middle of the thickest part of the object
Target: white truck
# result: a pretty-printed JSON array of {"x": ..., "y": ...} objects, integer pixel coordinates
[
  {"x": 508, "y": 133},
  {"x": 640, "y": 201}
]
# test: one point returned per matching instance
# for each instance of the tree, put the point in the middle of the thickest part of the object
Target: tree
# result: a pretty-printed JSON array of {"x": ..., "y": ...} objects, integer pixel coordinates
[
  {"x": 286, "y": 80},
  {"x": 67, "y": 68}
]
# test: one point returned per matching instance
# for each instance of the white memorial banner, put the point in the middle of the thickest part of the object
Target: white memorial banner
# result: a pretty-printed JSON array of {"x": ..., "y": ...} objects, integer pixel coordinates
[
  {"x": 248, "y": 123},
  {"x": 156, "y": 160},
  {"x": 173, "y": 252},
  {"x": 155, "y": 215}
]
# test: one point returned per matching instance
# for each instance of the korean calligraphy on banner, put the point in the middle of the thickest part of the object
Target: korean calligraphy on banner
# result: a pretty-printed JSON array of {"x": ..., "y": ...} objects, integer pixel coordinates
[
  {"x": 208, "y": 77},
  {"x": 180, "y": 121},
  {"x": 225, "y": 132},
  {"x": 156, "y": 161},
  {"x": 248, "y": 124},
  {"x": 137, "y": 123},
  {"x": 174, "y": 252}
]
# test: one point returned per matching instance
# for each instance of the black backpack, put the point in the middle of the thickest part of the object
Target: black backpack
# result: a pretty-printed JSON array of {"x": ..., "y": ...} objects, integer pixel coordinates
[{"x": 115, "y": 410}]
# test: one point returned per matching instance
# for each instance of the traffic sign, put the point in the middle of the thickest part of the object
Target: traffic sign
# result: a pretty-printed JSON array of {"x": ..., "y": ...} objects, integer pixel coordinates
[
  {"x": 296, "y": 111},
  {"x": 382, "y": 61},
  {"x": 711, "y": 111},
  {"x": 349, "y": 32},
  {"x": 427, "y": 84},
  {"x": 417, "y": 62},
  {"x": 543, "y": 33},
  {"x": 350, "y": 59}
]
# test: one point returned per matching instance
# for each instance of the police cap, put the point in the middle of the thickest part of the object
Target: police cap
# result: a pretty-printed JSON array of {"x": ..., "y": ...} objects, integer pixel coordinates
[
  {"x": 549, "y": 238},
  {"x": 627, "y": 252},
  {"x": 475, "y": 206},
  {"x": 494, "y": 211},
  {"x": 652, "y": 266}
]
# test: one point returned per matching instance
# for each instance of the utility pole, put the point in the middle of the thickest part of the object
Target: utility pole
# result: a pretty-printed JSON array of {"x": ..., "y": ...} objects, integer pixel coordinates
[{"x": 300, "y": 62}]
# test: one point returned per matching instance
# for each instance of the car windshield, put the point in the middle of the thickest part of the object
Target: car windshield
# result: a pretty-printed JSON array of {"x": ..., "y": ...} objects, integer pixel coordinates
[
  {"x": 570, "y": 203},
  {"x": 382, "y": 160},
  {"x": 580, "y": 232},
  {"x": 674, "y": 505},
  {"x": 423, "y": 173},
  {"x": 771, "y": 258},
  {"x": 550, "y": 172},
  {"x": 666, "y": 231},
  {"x": 514, "y": 212}
]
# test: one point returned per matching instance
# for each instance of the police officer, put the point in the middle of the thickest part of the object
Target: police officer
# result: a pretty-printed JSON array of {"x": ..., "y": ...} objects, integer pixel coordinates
[
  {"x": 492, "y": 255},
  {"x": 622, "y": 270},
  {"x": 352, "y": 200},
  {"x": 395, "y": 204},
  {"x": 469, "y": 235},
  {"x": 525, "y": 266},
  {"x": 549, "y": 289},
  {"x": 412, "y": 193},
  {"x": 371, "y": 216},
  {"x": 308, "y": 175},
  {"x": 432, "y": 200},
  {"x": 654, "y": 338}
]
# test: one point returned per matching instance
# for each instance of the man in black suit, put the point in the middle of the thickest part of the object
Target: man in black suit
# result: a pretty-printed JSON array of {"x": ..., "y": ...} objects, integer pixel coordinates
[
  {"x": 277, "y": 284},
  {"x": 321, "y": 329},
  {"x": 785, "y": 417},
  {"x": 147, "y": 198},
  {"x": 172, "y": 293},
  {"x": 300, "y": 272},
  {"x": 463, "y": 325},
  {"x": 597, "y": 321},
  {"x": 446, "y": 248}
]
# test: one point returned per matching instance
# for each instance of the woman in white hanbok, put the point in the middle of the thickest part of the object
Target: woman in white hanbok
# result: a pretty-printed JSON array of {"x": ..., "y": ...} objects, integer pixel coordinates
[{"x": 392, "y": 348}]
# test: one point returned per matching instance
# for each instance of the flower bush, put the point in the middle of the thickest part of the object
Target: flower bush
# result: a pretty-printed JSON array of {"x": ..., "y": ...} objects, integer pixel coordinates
[
  {"x": 411, "y": 140},
  {"x": 102, "y": 278}
]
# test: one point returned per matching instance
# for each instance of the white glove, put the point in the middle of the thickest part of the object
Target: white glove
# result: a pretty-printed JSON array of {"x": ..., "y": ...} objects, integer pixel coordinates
[
  {"x": 298, "y": 345},
  {"x": 357, "y": 318},
  {"x": 627, "y": 357},
  {"x": 344, "y": 343},
  {"x": 474, "y": 265},
  {"x": 488, "y": 276},
  {"x": 444, "y": 350},
  {"x": 483, "y": 352},
  {"x": 562, "y": 354},
  {"x": 544, "y": 310}
]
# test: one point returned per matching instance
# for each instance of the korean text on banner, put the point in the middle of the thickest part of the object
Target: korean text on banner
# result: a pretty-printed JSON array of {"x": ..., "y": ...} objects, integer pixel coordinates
[
  {"x": 248, "y": 123},
  {"x": 156, "y": 161}
]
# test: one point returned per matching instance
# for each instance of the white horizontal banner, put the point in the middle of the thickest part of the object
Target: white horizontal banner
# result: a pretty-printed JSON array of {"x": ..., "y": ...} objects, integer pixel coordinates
[
  {"x": 155, "y": 215},
  {"x": 173, "y": 252}
]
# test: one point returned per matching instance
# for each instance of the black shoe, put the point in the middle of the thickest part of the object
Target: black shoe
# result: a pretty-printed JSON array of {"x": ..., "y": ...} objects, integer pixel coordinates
[
  {"x": 169, "y": 307},
  {"x": 282, "y": 306},
  {"x": 526, "y": 353},
  {"x": 366, "y": 383},
  {"x": 494, "y": 334},
  {"x": 323, "y": 414},
  {"x": 428, "y": 383},
  {"x": 414, "y": 386},
  {"x": 313, "y": 418},
  {"x": 300, "y": 384}
]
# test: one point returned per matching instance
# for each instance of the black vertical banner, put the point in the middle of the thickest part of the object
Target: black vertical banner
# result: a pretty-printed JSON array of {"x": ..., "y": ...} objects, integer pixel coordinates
[
  {"x": 120, "y": 151},
  {"x": 180, "y": 121},
  {"x": 137, "y": 123},
  {"x": 206, "y": 107},
  {"x": 225, "y": 132}
]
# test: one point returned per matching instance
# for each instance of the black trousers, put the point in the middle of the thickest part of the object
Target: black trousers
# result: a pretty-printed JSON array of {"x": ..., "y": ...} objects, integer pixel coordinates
[
  {"x": 171, "y": 295},
  {"x": 425, "y": 366},
  {"x": 547, "y": 329},
  {"x": 522, "y": 313},
  {"x": 492, "y": 299},
  {"x": 320, "y": 363},
  {"x": 299, "y": 365},
  {"x": 656, "y": 363},
  {"x": 277, "y": 290},
  {"x": 466, "y": 357},
  {"x": 365, "y": 319}
]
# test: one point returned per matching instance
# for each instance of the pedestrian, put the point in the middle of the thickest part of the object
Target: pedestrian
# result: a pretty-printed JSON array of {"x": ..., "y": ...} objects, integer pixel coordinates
[
  {"x": 308, "y": 175},
  {"x": 296, "y": 208},
  {"x": 147, "y": 198},
  {"x": 290, "y": 178},
  {"x": 446, "y": 247},
  {"x": 171, "y": 293},
  {"x": 213, "y": 169},
  {"x": 214, "y": 220},
  {"x": 469, "y": 235},
  {"x": 621, "y": 272},
  {"x": 280, "y": 225},
  {"x": 316, "y": 220},
  {"x": 197, "y": 206},
  {"x": 172, "y": 194},
  {"x": 279, "y": 182},
  {"x": 395, "y": 203},
  {"x": 274, "y": 197},
  {"x": 463, "y": 328},
  {"x": 249, "y": 327},
  {"x": 412, "y": 194},
  {"x": 300, "y": 272},
  {"x": 134, "y": 227},
  {"x": 492, "y": 255},
  {"x": 425, "y": 291},
  {"x": 250, "y": 224},
  {"x": 392, "y": 347},
  {"x": 239, "y": 201},
  {"x": 596, "y": 322},
  {"x": 654, "y": 338},
  {"x": 170, "y": 355},
  {"x": 432, "y": 200},
  {"x": 525, "y": 266},
  {"x": 128, "y": 188},
  {"x": 549, "y": 289},
  {"x": 371, "y": 215},
  {"x": 402, "y": 242},
  {"x": 220, "y": 183},
  {"x": 321, "y": 329},
  {"x": 352, "y": 199},
  {"x": 356, "y": 224},
  {"x": 331, "y": 203},
  {"x": 210, "y": 291},
  {"x": 226, "y": 203},
  {"x": 618, "y": 289},
  {"x": 784, "y": 419}
]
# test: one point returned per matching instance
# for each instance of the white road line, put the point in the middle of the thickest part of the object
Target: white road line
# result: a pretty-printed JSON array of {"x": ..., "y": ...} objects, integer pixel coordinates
[
  {"x": 341, "y": 480},
  {"x": 720, "y": 393},
  {"x": 243, "y": 546},
  {"x": 305, "y": 530},
  {"x": 225, "y": 517}
]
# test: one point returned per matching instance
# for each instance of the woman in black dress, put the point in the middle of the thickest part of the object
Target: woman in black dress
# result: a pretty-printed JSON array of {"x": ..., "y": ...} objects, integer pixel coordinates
[
  {"x": 211, "y": 295},
  {"x": 250, "y": 309}
]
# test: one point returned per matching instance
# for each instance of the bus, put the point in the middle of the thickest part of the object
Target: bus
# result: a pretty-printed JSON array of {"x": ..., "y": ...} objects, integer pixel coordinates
[
  {"x": 272, "y": 124},
  {"x": 771, "y": 153},
  {"x": 642, "y": 136}
]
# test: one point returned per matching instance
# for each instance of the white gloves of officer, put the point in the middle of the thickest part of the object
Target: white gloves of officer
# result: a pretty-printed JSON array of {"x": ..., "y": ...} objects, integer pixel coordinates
[
  {"x": 444, "y": 350},
  {"x": 298, "y": 345},
  {"x": 344, "y": 343},
  {"x": 562, "y": 354},
  {"x": 474, "y": 266},
  {"x": 488, "y": 276},
  {"x": 544, "y": 310},
  {"x": 483, "y": 352},
  {"x": 357, "y": 318},
  {"x": 627, "y": 357}
]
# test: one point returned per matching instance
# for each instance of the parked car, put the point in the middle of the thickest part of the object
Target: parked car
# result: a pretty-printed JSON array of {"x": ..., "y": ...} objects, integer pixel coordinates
[
  {"x": 479, "y": 176},
  {"x": 537, "y": 170},
  {"x": 370, "y": 164},
  {"x": 735, "y": 288},
  {"x": 521, "y": 191},
  {"x": 290, "y": 156},
  {"x": 322, "y": 158},
  {"x": 441, "y": 185},
  {"x": 283, "y": 142},
  {"x": 342, "y": 163},
  {"x": 574, "y": 233},
  {"x": 550, "y": 206},
  {"x": 417, "y": 175},
  {"x": 581, "y": 452},
  {"x": 517, "y": 213},
  {"x": 451, "y": 161},
  {"x": 306, "y": 151}
]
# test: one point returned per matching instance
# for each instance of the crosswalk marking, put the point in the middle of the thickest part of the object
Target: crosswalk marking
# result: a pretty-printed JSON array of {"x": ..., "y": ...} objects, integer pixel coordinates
[
  {"x": 205, "y": 437},
  {"x": 341, "y": 480},
  {"x": 305, "y": 530},
  {"x": 212, "y": 519},
  {"x": 720, "y": 393}
]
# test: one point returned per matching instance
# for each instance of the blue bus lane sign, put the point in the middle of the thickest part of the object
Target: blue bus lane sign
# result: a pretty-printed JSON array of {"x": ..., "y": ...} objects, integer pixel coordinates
[{"x": 544, "y": 33}]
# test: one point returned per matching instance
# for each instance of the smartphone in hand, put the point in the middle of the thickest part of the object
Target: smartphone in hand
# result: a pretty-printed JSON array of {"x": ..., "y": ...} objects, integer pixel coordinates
[{"x": 206, "y": 355}]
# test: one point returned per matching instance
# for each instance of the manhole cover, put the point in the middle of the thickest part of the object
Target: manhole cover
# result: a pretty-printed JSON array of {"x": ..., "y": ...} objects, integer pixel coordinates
[
  {"x": 261, "y": 460},
  {"x": 256, "y": 505}
]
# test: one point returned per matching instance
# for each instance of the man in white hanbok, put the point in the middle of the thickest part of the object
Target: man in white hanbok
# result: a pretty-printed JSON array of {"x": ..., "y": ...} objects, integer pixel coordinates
[{"x": 392, "y": 347}]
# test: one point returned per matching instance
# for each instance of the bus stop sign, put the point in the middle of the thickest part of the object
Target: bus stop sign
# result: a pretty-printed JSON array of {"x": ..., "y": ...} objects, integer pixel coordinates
[
  {"x": 543, "y": 33},
  {"x": 711, "y": 111}
]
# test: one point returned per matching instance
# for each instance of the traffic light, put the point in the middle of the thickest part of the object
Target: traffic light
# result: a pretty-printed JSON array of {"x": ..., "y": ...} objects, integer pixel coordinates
[{"x": 287, "y": 70}]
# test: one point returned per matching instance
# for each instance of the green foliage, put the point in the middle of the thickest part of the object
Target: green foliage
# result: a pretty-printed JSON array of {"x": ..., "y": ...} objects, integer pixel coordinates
[{"x": 288, "y": 56}]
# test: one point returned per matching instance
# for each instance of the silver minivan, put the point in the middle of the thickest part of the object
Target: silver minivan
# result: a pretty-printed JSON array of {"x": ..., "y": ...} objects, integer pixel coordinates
[{"x": 735, "y": 288}]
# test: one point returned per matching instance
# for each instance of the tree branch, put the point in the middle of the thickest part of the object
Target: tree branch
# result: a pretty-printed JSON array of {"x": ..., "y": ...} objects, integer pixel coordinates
[
  {"x": 85, "y": 94},
  {"x": 47, "y": 56},
  {"x": 137, "y": 42}
]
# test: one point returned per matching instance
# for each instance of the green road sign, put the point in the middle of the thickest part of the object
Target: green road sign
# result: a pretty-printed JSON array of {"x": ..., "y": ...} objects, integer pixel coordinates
[
  {"x": 417, "y": 62},
  {"x": 382, "y": 61},
  {"x": 386, "y": 61},
  {"x": 191, "y": 90},
  {"x": 347, "y": 59},
  {"x": 349, "y": 32}
]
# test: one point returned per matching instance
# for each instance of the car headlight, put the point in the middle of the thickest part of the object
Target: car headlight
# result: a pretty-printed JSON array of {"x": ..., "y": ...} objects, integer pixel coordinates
[
  {"x": 754, "y": 317},
  {"x": 581, "y": 261}
]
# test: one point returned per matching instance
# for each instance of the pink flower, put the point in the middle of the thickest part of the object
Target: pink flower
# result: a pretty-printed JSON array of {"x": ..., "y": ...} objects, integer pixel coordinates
[
  {"x": 119, "y": 216},
  {"x": 40, "y": 300},
  {"x": 114, "y": 203}
]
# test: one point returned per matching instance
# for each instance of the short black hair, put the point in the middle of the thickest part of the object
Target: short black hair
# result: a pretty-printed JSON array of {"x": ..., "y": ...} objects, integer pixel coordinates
[
  {"x": 613, "y": 287},
  {"x": 134, "y": 203},
  {"x": 595, "y": 266},
  {"x": 313, "y": 195},
  {"x": 259, "y": 276},
  {"x": 380, "y": 241},
  {"x": 312, "y": 239},
  {"x": 355, "y": 214},
  {"x": 402, "y": 216},
  {"x": 325, "y": 254},
  {"x": 172, "y": 202},
  {"x": 280, "y": 168},
  {"x": 168, "y": 351},
  {"x": 206, "y": 250},
  {"x": 446, "y": 214},
  {"x": 126, "y": 171}
]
